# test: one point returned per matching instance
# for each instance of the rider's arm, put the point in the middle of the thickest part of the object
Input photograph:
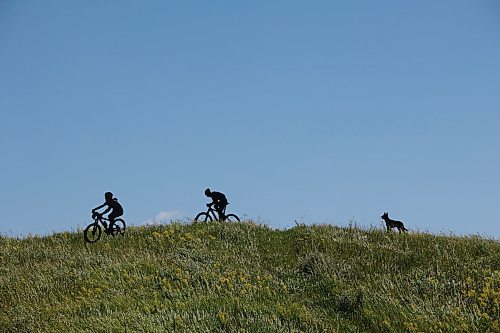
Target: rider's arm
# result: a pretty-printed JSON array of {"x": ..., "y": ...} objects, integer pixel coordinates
[
  {"x": 98, "y": 207},
  {"x": 107, "y": 210},
  {"x": 212, "y": 203}
]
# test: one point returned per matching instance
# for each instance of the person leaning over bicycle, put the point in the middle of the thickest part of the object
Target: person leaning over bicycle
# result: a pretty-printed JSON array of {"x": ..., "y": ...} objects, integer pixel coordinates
[
  {"x": 219, "y": 201},
  {"x": 113, "y": 205}
]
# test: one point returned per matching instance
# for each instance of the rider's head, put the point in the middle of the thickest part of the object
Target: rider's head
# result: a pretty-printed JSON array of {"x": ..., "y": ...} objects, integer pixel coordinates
[
  {"x": 208, "y": 192},
  {"x": 108, "y": 195}
]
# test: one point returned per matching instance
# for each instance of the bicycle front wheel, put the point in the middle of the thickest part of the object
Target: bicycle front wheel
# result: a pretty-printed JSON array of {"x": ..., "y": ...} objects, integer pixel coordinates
[
  {"x": 92, "y": 233},
  {"x": 118, "y": 228},
  {"x": 203, "y": 217},
  {"x": 232, "y": 218}
]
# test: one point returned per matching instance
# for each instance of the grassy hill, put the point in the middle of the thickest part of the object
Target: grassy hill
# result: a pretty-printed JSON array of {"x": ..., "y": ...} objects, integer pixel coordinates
[{"x": 246, "y": 277}]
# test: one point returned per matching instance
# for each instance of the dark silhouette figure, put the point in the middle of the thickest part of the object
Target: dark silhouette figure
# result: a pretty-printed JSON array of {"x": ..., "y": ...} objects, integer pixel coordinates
[
  {"x": 113, "y": 205},
  {"x": 219, "y": 201},
  {"x": 393, "y": 224}
]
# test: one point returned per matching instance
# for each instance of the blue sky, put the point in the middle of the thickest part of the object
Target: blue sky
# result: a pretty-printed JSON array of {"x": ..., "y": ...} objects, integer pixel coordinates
[{"x": 308, "y": 111}]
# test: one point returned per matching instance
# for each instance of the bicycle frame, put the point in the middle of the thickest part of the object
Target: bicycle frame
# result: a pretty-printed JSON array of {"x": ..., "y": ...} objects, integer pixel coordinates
[
  {"x": 93, "y": 231},
  {"x": 213, "y": 213},
  {"x": 101, "y": 219}
]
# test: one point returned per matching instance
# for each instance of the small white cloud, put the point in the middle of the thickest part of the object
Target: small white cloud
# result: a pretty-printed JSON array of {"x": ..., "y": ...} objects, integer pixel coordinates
[
  {"x": 164, "y": 216},
  {"x": 167, "y": 215}
]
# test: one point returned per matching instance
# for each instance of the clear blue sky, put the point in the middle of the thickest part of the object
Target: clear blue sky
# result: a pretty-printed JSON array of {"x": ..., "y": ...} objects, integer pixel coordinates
[{"x": 315, "y": 111}]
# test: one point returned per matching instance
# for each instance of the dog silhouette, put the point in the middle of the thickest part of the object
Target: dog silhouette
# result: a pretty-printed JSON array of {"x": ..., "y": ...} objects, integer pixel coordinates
[{"x": 393, "y": 224}]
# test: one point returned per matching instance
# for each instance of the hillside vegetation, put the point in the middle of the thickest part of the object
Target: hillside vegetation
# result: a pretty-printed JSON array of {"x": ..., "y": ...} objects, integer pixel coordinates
[{"x": 245, "y": 277}]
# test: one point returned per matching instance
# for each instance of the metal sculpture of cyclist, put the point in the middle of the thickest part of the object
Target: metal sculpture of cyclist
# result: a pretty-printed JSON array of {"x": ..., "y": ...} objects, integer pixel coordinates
[
  {"x": 219, "y": 201},
  {"x": 113, "y": 205}
]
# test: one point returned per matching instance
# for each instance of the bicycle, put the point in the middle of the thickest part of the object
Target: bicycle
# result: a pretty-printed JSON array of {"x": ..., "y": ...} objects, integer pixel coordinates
[
  {"x": 93, "y": 231},
  {"x": 210, "y": 215}
]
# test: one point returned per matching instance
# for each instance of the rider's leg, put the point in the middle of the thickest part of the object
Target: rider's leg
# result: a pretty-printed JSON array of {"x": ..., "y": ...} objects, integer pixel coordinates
[
  {"x": 111, "y": 218},
  {"x": 220, "y": 212}
]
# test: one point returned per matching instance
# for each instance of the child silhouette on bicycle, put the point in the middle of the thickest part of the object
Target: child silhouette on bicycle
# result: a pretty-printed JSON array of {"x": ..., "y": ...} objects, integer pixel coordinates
[
  {"x": 219, "y": 201},
  {"x": 113, "y": 205}
]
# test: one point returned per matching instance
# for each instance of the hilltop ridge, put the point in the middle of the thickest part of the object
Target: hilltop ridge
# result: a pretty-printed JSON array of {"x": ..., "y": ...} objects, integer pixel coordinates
[{"x": 247, "y": 277}]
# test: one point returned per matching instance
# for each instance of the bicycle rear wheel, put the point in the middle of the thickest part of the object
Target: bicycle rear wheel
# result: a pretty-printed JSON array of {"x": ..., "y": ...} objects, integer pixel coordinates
[
  {"x": 118, "y": 228},
  {"x": 92, "y": 233},
  {"x": 203, "y": 217},
  {"x": 232, "y": 218}
]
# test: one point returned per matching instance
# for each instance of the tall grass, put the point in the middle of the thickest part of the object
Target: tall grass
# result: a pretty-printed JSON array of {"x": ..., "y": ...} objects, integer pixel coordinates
[{"x": 245, "y": 277}]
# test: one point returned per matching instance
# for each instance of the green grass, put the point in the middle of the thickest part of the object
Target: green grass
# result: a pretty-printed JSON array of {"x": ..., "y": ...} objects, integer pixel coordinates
[{"x": 246, "y": 277}]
